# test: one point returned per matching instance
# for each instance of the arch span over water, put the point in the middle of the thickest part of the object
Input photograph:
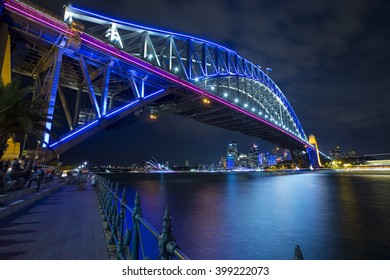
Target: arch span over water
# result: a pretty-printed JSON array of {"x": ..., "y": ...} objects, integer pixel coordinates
[{"x": 121, "y": 68}]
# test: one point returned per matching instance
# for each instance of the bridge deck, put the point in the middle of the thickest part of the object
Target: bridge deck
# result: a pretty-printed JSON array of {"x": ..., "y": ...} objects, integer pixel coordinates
[{"x": 63, "y": 226}]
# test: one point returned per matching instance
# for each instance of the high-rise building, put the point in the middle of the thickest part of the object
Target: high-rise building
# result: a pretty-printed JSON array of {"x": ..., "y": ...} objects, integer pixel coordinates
[
  {"x": 336, "y": 153},
  {"x": 242, "y": 161},
  {"x": 222, "y": 163},
  {"x": 253, "y": 157},
  {"x": 231, "y": 155},
  {"x": 267, "y": 159},
  {"x": 262, "y": 160}
]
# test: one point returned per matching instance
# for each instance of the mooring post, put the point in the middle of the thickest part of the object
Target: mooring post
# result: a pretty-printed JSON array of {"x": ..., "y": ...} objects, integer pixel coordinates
[
  {"x": 137, "y": 213},
  {"x": 298, "y": 253},
  {"x": 166, "y": 240}
]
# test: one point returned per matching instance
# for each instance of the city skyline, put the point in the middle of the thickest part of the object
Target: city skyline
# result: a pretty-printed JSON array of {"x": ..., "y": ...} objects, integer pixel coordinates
[{"x": 329, "y": 59}]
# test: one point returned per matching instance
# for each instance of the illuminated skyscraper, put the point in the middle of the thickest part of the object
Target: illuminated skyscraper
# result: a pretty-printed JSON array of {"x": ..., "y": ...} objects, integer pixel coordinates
[
  {"x": 231, "y": 155},
  {"x": 253, "y": 157},
  {"x": 336, "y": 153}
]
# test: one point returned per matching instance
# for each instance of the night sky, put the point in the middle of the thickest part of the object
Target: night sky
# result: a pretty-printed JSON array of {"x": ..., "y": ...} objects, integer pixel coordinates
[{"x": 330, "y": 58}]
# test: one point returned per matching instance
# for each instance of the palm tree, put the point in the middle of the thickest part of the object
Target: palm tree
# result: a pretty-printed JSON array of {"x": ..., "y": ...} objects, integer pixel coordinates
[{"x": 18, "y": 114}]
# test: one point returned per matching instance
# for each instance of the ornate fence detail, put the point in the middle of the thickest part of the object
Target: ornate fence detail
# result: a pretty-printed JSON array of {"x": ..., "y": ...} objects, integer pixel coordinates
[{"x": 126, "y": 238}]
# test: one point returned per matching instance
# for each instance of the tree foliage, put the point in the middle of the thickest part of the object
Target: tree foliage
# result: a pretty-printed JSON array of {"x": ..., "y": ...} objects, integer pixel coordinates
[{"x": 19, "y": 114}]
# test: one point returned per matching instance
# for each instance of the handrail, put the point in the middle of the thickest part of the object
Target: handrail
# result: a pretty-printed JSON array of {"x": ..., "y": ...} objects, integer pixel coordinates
[{"x": 128, "y": 239}]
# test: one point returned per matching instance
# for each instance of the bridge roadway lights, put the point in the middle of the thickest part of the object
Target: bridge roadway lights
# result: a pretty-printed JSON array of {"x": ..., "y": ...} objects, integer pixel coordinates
[{"x": 95, "y": 48}]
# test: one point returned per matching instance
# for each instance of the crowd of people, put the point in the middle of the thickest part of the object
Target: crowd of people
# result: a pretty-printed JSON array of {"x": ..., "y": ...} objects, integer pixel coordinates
[{"x": 17, "y": 174}]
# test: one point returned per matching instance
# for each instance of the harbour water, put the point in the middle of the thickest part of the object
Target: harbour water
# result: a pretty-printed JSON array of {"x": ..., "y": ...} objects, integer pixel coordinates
[{"x": 259, "y": 215}]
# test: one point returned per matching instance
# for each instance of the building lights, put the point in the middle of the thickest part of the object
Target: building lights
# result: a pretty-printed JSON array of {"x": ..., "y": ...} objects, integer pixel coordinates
[{"x": 61, "y": 27}]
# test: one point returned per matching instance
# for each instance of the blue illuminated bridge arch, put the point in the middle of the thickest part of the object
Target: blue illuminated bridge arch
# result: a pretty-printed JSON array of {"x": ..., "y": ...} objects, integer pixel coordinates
[{"x": 95, "y": 71}]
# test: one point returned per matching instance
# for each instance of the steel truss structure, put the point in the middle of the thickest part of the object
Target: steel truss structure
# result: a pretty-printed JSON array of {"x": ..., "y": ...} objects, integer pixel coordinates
[{"x": 100, "y": 70}]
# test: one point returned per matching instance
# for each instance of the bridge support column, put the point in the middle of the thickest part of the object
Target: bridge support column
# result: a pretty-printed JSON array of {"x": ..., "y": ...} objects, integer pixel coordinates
[
  {"x": 54, "y": 80},
  {"x": 106, "y": 81},
  {"x": 315, "y": 155},
  {"x": 312, "y": 157},
  {"x": 77, "y": 106},
  {"x": 5, "y": 53}
]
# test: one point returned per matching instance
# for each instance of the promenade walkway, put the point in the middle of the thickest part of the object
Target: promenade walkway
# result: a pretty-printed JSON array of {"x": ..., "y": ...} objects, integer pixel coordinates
[{"x": 65, "y": 225}]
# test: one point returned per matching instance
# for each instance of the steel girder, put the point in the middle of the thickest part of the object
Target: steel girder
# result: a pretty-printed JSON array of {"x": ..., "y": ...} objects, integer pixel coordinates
[
  {"x": 215, "y": 68},
  {"x": 114, "y": 80}
]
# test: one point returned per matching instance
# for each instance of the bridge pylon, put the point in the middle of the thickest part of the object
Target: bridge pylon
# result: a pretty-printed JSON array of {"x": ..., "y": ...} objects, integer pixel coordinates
[
  {"x": 314, "y": 154},
  {"x": 5, "y": 53},
  {"x": 96, "y": 77}
]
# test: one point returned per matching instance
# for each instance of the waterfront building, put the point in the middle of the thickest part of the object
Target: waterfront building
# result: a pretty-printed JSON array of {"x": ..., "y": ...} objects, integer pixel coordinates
[
  {"x": 222, "y": 163},
  {"x": 271, "y": 159},
  {"x": 262, "y": 160},
  {"x": 253, "y": 157},
  {"x": 231, "y": 155},
  {"x": 230, "y": 162},
  {"x": 286, "y": 155},
  {"x": 336, "y": 153},
  {"x": 242, "y": 161}
]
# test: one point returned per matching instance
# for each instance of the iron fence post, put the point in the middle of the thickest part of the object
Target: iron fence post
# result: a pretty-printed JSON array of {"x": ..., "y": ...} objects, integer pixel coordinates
[
  {"x": 121, "y": 254},
  {"x": 166, "y": 240},
  {"x": 298, "y": 253},
  {"x": 137, "y": 213},
  {"x": 113, "y": 215}
]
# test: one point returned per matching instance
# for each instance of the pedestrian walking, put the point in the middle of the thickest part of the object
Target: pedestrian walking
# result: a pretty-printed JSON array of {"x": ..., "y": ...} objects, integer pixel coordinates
[
  {"x": 93, "y": 181},
  {"x": 38, "y": 177}
]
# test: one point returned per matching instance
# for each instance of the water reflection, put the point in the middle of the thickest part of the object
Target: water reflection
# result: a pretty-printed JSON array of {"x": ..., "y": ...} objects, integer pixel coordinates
[{"x": 263, "y": 216}]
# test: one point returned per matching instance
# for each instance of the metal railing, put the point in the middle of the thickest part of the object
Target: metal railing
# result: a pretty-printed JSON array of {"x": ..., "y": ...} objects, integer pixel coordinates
[{"x": 127, "y": 238}]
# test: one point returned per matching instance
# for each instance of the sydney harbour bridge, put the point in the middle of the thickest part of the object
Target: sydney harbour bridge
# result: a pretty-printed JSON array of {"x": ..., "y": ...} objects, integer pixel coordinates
[{"x": 95, "y": 71}]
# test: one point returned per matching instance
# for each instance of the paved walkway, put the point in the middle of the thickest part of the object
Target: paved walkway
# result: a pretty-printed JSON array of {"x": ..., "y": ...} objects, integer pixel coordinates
[{"x": 63, "y": 226}]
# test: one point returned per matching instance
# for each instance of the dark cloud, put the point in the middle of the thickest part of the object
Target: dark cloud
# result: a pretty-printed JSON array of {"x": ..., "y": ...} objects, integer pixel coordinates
[{"x": 330, "y": 58}]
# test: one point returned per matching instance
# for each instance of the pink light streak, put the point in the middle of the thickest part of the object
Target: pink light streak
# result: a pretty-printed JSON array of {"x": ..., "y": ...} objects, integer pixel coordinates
[
  {"x": 173, "y": 78},
  {"x": 46, "y": 21},
  {"x": 127, "y": 57}
]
